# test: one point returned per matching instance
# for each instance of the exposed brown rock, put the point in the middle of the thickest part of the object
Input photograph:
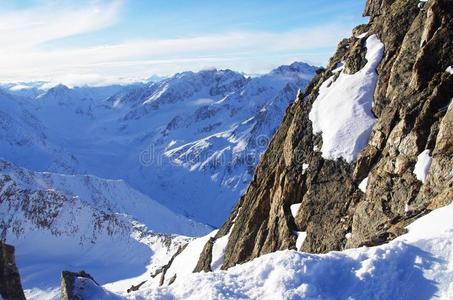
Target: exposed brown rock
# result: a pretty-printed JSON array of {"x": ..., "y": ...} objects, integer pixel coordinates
[
  {"x": 412, "y": 103},
  {"x": 204, "y": 263},
  {"x": 10, "y": 285}
]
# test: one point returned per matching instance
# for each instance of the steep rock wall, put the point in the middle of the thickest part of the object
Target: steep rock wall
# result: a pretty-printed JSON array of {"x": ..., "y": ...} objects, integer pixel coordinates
[{"x": 411, "y": 104}]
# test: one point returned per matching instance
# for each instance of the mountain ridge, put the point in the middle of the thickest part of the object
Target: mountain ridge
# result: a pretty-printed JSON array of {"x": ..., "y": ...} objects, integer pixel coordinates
[{"x": 157, "y": 135}]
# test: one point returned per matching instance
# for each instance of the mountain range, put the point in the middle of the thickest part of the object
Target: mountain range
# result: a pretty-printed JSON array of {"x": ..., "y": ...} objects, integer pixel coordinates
[
  {"x": 190, "y": 142},
  {"x": 303, "y": 183},
  {"x": 92, "y": 175}
]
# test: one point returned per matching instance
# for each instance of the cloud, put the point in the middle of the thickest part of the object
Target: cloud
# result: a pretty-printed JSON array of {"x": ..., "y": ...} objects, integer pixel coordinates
[
  {"x": 30, "y": 27},
  {"x": 23, "y": 57}
]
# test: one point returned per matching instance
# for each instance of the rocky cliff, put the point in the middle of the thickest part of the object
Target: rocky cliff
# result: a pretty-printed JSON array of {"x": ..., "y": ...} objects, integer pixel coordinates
[
  {"x": 10, "y": 285},
  {"x": 363, "y": 188}
]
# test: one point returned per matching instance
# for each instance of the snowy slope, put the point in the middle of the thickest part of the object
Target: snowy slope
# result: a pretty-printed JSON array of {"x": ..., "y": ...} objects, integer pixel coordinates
[
  {"x": 190, "y": 142},
  {"x": 416, "y": 265},
  {"x": 113, "y": 196},
  {"x": 59, "y": 222}
]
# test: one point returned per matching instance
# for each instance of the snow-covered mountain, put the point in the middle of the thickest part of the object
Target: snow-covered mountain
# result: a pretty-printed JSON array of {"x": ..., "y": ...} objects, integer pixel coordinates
[
  {"x": 352, "y": 198},
  {"x": 61, "y": 221},
  {"x": 91, "y": 178},
  {"x": 190, "y": 142}
]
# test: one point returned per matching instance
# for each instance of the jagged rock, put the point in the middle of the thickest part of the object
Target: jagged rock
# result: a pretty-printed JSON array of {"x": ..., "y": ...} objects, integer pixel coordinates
[
  {"x": 172, "y": 279},
  {"x": 134, "y": 288},
  {"x": 373, "y": 8},
  {"x": 412, "y": 105},
  {"x": 68, "y": 284},
  {"x": 205, "y": 263},
  {"x": 81, "y": 286},
  {"x": 10, "y": 285},
  {"x": 355, "y": 59}
]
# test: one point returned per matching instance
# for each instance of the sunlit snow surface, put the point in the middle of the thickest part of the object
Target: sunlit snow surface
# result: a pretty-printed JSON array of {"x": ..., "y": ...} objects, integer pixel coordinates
[
  {"x": 342, "y": 110},
  {"x": 363, "y": 184},
  {"x": 422, "y": 166},
  {"x": 72, "y": 222},
  {"x": 417, "y": 265}
]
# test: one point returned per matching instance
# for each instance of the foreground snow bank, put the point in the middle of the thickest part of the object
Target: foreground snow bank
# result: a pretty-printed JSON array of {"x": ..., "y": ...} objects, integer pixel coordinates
[{"x": 417, "y": 265}]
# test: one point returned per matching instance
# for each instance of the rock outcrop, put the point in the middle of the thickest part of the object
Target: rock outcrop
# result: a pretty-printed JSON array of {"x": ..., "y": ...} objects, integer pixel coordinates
[
  {"x": 69, "y": 287},
  {"x": 10, "y": 285},
  {"x": 411, "y": 104}
]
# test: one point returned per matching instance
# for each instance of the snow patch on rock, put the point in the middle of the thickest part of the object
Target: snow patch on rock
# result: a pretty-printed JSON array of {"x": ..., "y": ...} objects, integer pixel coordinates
[
  {"x": 422, "y": 166},
  {"x": 187, "y": 260},
  {"x": 301, "y": 236},
  {"x": 342, "y": 111},
  {"x": 363, "y": 184},
  {"x": 294, "y": 209}
]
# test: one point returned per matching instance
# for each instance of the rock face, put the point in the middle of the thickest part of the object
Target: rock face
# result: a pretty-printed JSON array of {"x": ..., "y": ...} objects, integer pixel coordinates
[
  {"x": 411, "y": 103},
  {"x": 68, "y": 284},
  {"x": 10, "y": 285}
]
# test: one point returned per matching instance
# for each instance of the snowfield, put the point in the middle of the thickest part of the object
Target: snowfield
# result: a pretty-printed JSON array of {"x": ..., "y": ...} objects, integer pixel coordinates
[
  {"x": 114, "y": 196},
  {"x": 417, "y": 265},
  {"x": 71, "y": 222}
]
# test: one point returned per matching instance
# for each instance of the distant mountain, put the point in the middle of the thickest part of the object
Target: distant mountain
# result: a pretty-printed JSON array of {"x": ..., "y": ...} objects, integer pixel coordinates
[
  {"x": 65, "y": 221},
  {"x": 190, "y": 141}
]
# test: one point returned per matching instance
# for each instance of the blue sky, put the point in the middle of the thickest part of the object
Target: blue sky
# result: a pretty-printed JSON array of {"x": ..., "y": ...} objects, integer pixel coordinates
[{"x": 99, "y": 42}]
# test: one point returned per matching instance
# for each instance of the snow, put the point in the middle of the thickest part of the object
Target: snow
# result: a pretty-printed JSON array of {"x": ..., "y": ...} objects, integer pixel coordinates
[
  {"x": 86, "y": 289},
  {"x": 218, "y": 252},
  {"x": 189, "y": 142},
  {"x": 109, "y": 195},
  {"x": 362, "y": 35},
  {"x": 363, "y": 185},
  {"x": 187, "y": 260},
  {"x": 422, "y": 165},
  {"x": 301, "y": 236},
  {"x": 342, "y": 111},
  {"x": 417, "y": 265},
  {"x": 44, "y": 294},
  {"x": 73, "y": 222},
  {"x": 219, "y": 247},
  {"x": 294, "y": 209},
  {"x": 338, "y": 68}
]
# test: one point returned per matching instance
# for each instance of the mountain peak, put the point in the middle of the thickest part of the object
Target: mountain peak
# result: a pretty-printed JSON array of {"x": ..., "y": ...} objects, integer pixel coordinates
[{"x": 299, "y": 67}]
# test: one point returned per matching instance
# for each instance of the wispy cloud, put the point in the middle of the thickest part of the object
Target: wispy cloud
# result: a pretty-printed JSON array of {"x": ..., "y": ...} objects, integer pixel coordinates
[
  {"x": 22, "y": 56},
  {"x": 30, "y": 27}
]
